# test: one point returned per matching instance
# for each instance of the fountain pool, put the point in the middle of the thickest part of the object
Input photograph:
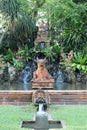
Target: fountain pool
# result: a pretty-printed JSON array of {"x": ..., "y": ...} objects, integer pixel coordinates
[{"x": 57, "y": 86}]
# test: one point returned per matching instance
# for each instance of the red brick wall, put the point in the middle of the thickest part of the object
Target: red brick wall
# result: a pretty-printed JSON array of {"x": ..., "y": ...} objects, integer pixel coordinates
[{"x": 60, "y": 97}]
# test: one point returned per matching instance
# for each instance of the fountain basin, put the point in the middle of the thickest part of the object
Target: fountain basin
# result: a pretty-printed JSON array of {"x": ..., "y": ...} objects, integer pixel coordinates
[
  {"x": 42, "y": 121},
  {"x": 51, "y": 124}
]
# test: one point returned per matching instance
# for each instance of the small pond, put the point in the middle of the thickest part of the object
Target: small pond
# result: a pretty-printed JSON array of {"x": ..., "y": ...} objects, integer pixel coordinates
[{"x": 57, "y": 86}]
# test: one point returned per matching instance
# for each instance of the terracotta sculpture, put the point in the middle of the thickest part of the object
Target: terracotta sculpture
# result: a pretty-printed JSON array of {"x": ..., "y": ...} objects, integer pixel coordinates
[
  {"x": 41, "y": 73},
  {"x": 41, "y": 76}
]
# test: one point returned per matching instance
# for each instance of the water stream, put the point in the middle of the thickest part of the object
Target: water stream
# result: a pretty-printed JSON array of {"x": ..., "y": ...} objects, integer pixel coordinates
[
  {"x": 40, "y": 110},
  {"x": 26, "y": 75},
  {"x": 41, "y": 118}
]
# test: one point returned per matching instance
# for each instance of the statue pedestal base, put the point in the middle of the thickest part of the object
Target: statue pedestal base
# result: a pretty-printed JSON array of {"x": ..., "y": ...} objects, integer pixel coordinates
[{"x": 43, "y": 83}]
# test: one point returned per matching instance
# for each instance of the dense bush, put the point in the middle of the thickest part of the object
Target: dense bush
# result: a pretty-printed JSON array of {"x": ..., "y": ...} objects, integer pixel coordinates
[
  {"x": 19, "y": 25},
  {"x": 68, "y": 23}
]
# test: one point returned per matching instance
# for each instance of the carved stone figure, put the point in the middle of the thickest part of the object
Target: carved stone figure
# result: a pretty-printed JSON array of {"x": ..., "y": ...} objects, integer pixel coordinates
[
  {"x": 41, "y": 72},
  {"x": 41, "y": 77},
  {"x": 40, "y": 95}
]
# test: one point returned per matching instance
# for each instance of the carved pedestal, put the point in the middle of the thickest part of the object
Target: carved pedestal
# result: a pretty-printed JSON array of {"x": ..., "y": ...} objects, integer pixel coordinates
[{"x": 43, "y": 83}]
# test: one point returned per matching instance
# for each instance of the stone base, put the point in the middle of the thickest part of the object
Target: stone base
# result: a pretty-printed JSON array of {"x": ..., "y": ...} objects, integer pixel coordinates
[{"x": 43, "y": 84}]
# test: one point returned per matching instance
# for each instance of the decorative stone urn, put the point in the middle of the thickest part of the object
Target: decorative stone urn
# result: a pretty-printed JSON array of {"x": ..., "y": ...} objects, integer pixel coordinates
[{"x": 41, "y": 77}]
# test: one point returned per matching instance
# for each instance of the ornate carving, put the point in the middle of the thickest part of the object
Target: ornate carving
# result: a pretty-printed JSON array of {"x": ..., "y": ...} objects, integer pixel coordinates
[{"x": 40, "y": 95}]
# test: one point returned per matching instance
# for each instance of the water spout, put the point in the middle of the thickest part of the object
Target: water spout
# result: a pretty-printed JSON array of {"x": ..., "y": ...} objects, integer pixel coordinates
[
  {"x": 41, "y": 118},
  {"x": 40, "y": 108},
  {"x": 41, "y": 121}
]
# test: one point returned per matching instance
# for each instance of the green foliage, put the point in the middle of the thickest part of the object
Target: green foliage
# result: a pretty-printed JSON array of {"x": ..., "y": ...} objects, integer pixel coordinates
[
  {"x": 39, "y": 3},
  {"x": 68, "y": 23},
  {"x": 24, "y": 27},
  {"x": 8, "y": 42},
  {"x": 79, "y": 62},
  {"x": 57, "y": 49},
  {"x": 25, "y": 53},
  {"x": 21, "y": 24},
  {"x": 10, "y": 8},
  {"x": 79, "y": 1},
  {"x": 17, "y": 63},
  {"x": 18, "y": 59},
  {"x": 35, "y": 5},
  {"x": 10, "y": 58},
  {"x": 52, "y": 52},
  {"x": 48, "y": 51}
]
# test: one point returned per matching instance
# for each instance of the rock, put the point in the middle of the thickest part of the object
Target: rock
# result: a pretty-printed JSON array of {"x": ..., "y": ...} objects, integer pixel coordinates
[{"x": 12, "y": 73}]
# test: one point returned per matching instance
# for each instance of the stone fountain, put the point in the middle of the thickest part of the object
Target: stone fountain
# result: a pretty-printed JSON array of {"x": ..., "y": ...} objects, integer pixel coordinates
[
  {"x": 42, "y": 121},
  {"x": 41, "y": 77}
]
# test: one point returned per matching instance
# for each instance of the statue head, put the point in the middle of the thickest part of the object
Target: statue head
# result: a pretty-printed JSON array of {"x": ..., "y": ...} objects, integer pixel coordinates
[{"x": 41, "y": 62}]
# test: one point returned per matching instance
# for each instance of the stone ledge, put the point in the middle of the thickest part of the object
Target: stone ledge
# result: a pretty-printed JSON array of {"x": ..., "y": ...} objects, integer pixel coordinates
[{"x": 61, "y": 97}]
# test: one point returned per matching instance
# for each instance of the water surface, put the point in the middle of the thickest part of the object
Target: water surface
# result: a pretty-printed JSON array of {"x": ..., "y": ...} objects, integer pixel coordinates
[{"x": 57, "y": 86}]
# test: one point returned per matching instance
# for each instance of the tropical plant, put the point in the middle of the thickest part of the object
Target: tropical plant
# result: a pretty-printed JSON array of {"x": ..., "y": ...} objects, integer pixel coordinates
[
  {"x": 79, "y": 1},
  {"x": 36, "y": 5},
  {"x": 21, "y": 27},
  {"x": 48, "y": 51},
  {"x": 10, "y": 9},
  {"x": 25, "y": 53},
  {"x": 24, "y": 28},
  {"x": 51, "y": 52},
  {"x": 79, "y": 62},
  {"x": 10, "y": 58},
  {"x": 68, "y": 23},
  {"x": 56, "y": 50},
  {"x": 17, "y": 63}
]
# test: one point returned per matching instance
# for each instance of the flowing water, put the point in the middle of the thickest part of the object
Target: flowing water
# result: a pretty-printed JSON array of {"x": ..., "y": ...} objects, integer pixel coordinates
[
  {"x": 26, "y": 75},
  {"x": 24, "y": 81},
  {"x": 41, "y": 118}
]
